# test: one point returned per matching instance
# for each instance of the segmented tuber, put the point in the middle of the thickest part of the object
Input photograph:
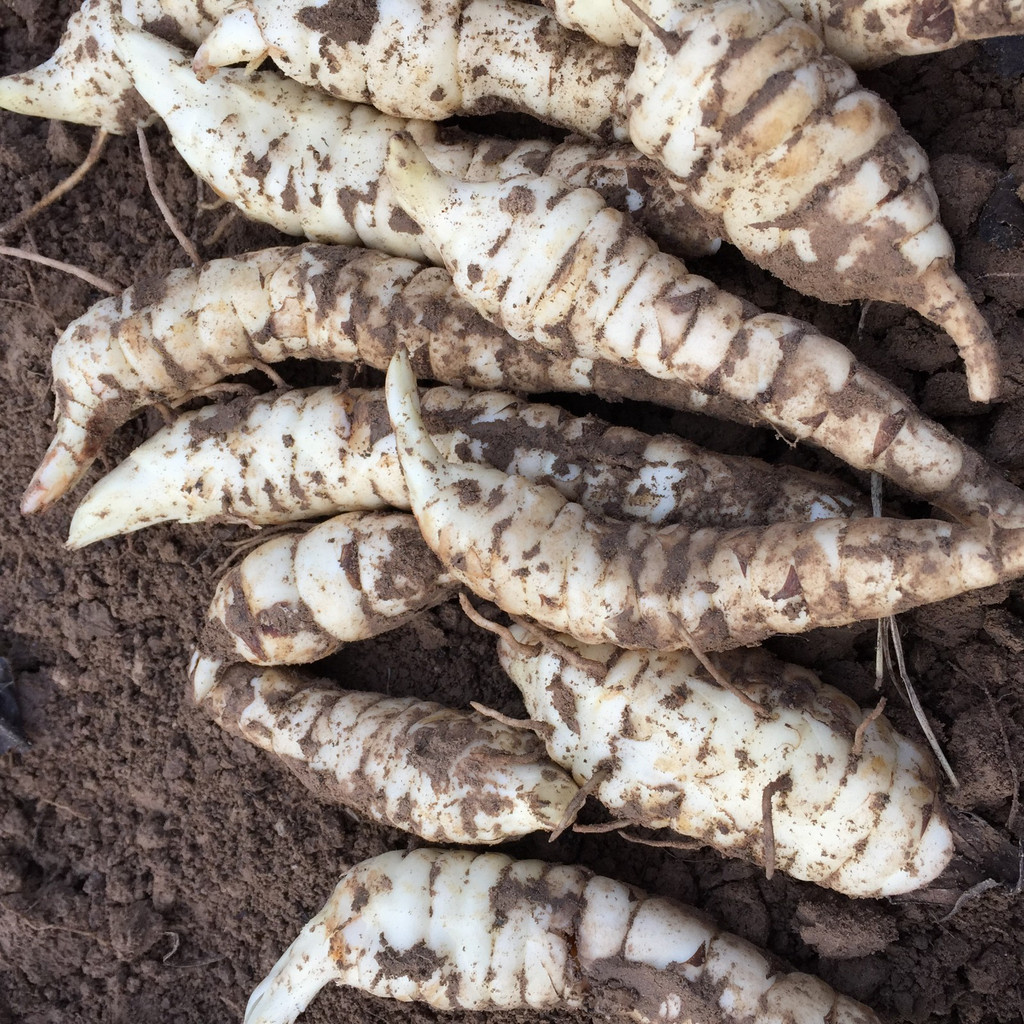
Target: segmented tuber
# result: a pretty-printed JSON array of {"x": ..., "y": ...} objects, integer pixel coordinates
[
  {"x": 555, "y": 265},
  {"x": 312, "y": 165},
  {"x": 852, "y": 804},
  {"x": 168, "y": 339},
  {"x": 298, "y": 598},
  {"x": 301, "y": 454},
  {"x": 470, "y": 931},
  {"x": 772, "y": 139},
  {"x": 864, "y": 33},
  {"x": 603, "y": 580},
  {"x": 448, "y": 776}
]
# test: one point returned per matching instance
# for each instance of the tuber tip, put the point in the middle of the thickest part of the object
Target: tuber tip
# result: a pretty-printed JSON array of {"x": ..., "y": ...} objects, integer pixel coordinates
[
  {"x": 130, "y": 497},
  {"x": 63, "y": 465},
  {"x": 236, "y": 39},
  {"x": 83, "y": 82},
  {"x": 204, "y": 673},
  {"x": 32, "y": 92},
  {"x": 944, "y": 299},
  {"x": 67, "y": 93},
  {"x": 425, "y": 469},
  {"x": 304, "y": 968},
  {"x": 401, "y": 394},
  {"x": 421, "y": 190}
]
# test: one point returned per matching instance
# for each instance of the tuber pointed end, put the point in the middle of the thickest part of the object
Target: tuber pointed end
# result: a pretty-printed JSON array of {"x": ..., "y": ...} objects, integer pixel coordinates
[
  {"x": 66, "y": 92},
  {"x": 40, "y": 92},
  {"x": 425, "y": 469},
  {"x": 422, "y": 190},
  {"x": 83, "y": 82},
  {"x": 304, "y": 969},
  {"x": 943, "y": 298},
  {"x": 204, "y": 672},
  {"x": 157, "y": 68},
  {"x": 64, "y": 464},
  {"x": 403, "y": 402},
  {"x": 130, "y": 497},
  {"x": 236, "y": 39}
]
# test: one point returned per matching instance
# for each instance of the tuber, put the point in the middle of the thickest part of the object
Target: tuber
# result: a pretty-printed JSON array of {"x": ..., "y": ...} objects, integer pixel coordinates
[
  {"x": 603, "y": 580},
  {"x": 855, "y": 804},
  {"x": 555, "y": 265},
  {"x": 775, "y": 142},
  {"x": 298, "y": 598},
  {"x": 468, "y": 931},
  {"x": 168, "y": 339},
  {"x": 301, "y": 454},
  {"x": 446, "y": 775}
]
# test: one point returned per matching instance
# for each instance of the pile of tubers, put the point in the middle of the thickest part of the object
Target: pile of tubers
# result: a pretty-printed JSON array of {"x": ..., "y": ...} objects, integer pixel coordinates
[{"x": 623, "y": 563}]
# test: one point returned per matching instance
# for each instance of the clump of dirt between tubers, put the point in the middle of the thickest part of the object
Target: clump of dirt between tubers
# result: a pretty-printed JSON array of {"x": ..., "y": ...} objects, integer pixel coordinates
[{"x": 153, "y": 868}]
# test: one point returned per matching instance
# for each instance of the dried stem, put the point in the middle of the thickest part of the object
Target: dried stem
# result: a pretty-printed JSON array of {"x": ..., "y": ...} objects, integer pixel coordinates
[{"x": 577, "y": 802}]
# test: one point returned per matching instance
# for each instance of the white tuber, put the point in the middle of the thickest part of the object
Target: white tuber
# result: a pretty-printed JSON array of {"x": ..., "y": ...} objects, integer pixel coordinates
[
  {"x": 313, "y": 165},
  {"x": 85, "y": 81},
  {"x": 865, "y": 33},
  {"x": 855, "y": 804},
  {"x": 300, "y": 454},
  {"x": 168, "y": 339},
  {"x": 772, "y": 139},
  {"x": 298, "y": 598},
  {"x": 470, "y": 931},
  {"x": 603, "y": 580},
  {"x": 555, "y": 265},
  {"x": 448, "y": 776}
]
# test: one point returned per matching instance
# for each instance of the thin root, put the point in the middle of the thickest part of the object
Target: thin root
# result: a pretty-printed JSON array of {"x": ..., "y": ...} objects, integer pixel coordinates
[
  {"x": 567, "y": 654},
  {"x": 255, "y": 64},
  {"x": 687, "y": 845},
  {"x": 175, "y": 943},
  {"x": 858, "y": 736},
  {"x": 271, "y": 374},
  {"x": 889, "y": 638},
  {"x": 720, "y": 677},
  {"x": 166, "y": 413},
  {"x": 915, "y": 703},
  {"x": 1011, "y": 819},
  {"x": 172, "y": 223},
  {"x": 234, "y": 388},
  {"x": 966, "y": 897},
  {"x": 527, "y": 650},
  {"x": 242, "y": 546},
  {"x": 670, "y": 42},
  {"x": 529, "y": 724},
  {"x": 603, "y": 827},
  {"x": 99, "y": 140},
  {"x": 223, "y": 224},
  {"x": 68, "y": 268}
]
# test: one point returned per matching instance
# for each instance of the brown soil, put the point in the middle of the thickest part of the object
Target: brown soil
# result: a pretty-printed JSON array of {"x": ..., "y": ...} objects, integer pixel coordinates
[{"x": 152, "y": 868}]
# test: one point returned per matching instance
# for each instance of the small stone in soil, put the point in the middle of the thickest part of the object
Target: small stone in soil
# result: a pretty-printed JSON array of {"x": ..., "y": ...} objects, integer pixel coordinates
[{"x": 11, "y": 736}]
